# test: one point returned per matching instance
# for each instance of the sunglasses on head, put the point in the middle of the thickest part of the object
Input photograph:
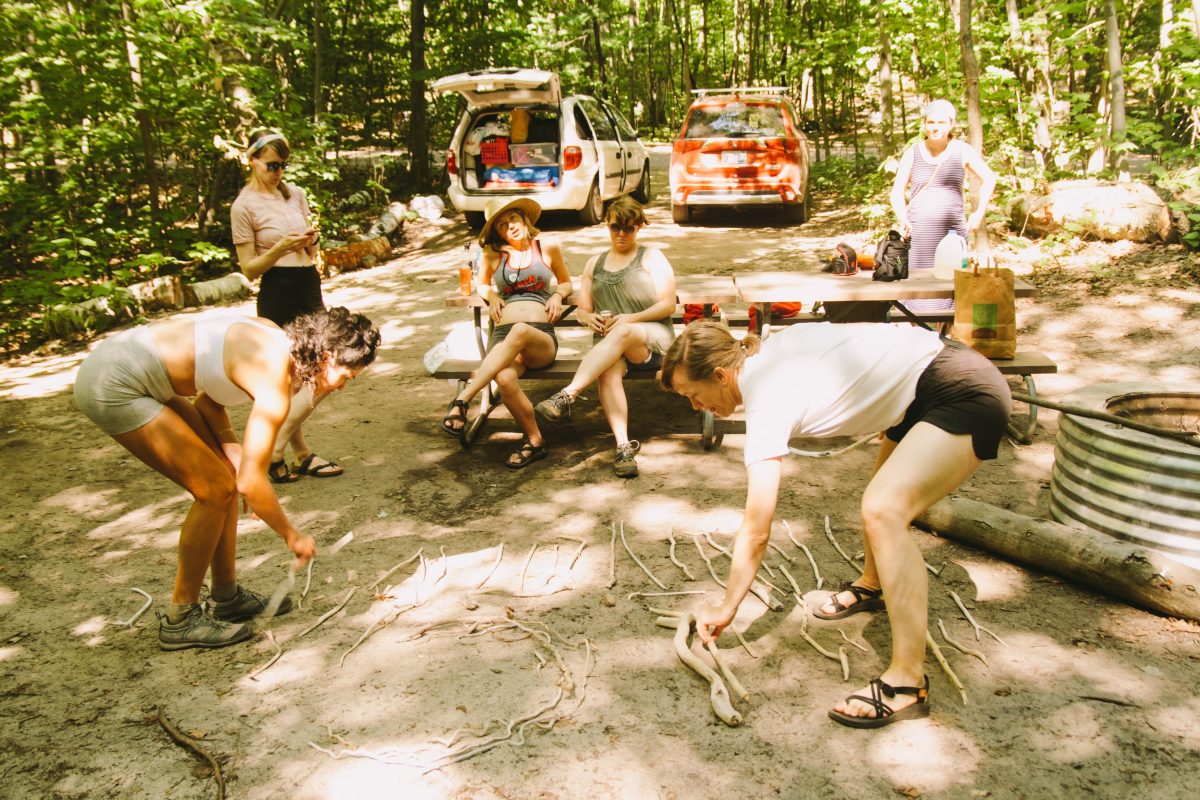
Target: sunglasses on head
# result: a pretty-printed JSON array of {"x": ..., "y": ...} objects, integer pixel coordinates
[
  {"x": 275, "y": 166},
  {"x": 616, "y": 228}
]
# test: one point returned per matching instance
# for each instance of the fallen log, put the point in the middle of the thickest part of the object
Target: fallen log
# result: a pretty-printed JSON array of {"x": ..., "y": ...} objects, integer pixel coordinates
[
  {"x": 96, "y": 314},
  {"x": 233, "y": 286},
  {"x": 157, "y": 294},
  {"x": 1114, "y": 567}
]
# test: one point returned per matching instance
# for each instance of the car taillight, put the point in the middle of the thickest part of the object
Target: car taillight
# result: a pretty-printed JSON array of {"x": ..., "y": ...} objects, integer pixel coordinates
[
  {"x": 572, "y": 158},
  {"x": 681, "y": 146},
  {"x": 451, "y": 165}
]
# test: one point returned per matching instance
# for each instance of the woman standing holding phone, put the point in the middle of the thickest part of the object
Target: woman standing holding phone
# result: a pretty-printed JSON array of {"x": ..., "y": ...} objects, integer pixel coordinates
[{"x": 276, "y": 241}]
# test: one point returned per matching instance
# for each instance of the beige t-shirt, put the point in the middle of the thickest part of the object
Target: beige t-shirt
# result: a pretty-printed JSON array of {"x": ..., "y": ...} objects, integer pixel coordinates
[{"x": 264, "y": 220}]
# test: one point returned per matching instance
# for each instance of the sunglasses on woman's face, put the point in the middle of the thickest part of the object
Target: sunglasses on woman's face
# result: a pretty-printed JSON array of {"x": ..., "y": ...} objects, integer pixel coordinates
[
  {"x": 275, "y": 166},
  {"x": 626, "y": 229}
]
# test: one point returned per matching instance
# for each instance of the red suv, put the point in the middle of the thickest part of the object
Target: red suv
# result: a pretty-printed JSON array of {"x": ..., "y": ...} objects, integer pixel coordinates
[{"x": 740, "y": 148}]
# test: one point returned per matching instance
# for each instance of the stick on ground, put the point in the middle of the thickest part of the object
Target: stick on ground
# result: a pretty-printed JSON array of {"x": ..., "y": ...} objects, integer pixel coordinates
[
  {"x": 974, "y": 624},
  {"x": 145, "y": 606},
  {"x": 492, "y": 571},
  {"x": 964, "y": 650},
  {"x": 683, "y": 568},
  {"x": 638, "y": 561},
  {"x": 402, "y": 564},
  {"x": 718, "y": 693},
  {"x": 321, "y": 620},
  {"x": 183, "y": 740},
  {"x": 941, "y": 659},
  {"x": 836, "y": 546}
]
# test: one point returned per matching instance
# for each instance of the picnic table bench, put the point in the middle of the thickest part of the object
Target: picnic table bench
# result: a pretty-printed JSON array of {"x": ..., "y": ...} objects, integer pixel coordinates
[
  {"x": 705, "y": 290},
  {"x": 760, "y": 289}
]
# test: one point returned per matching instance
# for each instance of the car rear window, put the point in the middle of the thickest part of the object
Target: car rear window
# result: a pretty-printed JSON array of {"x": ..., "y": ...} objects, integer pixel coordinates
[{"x": 735, "y": 121}]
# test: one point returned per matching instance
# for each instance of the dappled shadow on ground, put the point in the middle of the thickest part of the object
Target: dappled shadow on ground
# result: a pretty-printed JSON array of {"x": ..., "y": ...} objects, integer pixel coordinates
[{"x": 1086, "y": 697}]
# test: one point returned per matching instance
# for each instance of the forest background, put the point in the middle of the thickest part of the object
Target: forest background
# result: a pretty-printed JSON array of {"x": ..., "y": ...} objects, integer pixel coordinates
[{"x": 121, "y": 121}]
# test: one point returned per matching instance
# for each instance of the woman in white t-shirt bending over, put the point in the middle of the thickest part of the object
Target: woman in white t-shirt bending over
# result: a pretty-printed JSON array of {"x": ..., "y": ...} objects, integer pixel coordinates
[{"x": 944, "y": 409}]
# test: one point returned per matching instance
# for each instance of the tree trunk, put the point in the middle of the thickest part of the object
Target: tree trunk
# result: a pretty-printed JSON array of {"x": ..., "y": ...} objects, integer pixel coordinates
[
  {"x": 1116, "y": 85},
  {"x": 317, "y": 51},
  {"x": 1114, "y": 567},
  {"x": 970, "y": 65},
  {"x": 140, "y": 111},
  {"x": 418, "y": 128},
  {"x": 599, "y": 54},
  {"x": 684, "y": 56},
  {"x": 885, "y": 83}
]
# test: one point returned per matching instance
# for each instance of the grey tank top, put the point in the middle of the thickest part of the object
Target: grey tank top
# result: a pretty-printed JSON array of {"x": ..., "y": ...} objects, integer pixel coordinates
[
  {"x": 626, "y": 291},
  {"x": 532, "y": 282}
]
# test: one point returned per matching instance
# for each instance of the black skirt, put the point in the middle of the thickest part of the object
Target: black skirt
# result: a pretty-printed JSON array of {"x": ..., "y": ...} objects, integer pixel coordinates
[{"x": 289, "y": 292}]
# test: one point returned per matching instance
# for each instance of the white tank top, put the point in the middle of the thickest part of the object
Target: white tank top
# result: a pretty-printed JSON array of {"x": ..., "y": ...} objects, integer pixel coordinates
[{"x": 211, "y": 377}]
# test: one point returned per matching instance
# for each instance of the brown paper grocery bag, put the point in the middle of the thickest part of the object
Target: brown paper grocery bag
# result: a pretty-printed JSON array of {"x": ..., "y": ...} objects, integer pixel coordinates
[{"x": 985, "y": 311}]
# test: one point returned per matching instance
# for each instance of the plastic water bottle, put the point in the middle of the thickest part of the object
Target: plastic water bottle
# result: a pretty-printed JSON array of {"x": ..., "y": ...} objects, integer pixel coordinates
[{"x": 466, "y": 276}]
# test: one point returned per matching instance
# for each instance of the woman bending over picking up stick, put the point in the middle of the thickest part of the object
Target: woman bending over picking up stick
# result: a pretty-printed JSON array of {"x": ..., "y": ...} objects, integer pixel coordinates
[
  {"x": 944, "y": 408},
  {"x": 136, "y": 386}
]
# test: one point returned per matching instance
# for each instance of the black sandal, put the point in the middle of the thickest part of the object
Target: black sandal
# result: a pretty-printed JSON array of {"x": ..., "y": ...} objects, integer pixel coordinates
[
  {"x": 329, "y": 469},
  {"x": 526, "y": 454},
  {"x": 450, "y": 415},
  {"x": 864, "y": 600},
  {"x": 884, "y": 715},
  {"x": 280, "y": 472}
]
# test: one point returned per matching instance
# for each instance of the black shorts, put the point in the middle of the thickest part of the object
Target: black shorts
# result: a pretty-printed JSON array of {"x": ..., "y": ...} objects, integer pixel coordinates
[
  {"x": 500, "y": 333},
  {"x": 289, "y": 292},
  {"x": 961, "y": 392}
]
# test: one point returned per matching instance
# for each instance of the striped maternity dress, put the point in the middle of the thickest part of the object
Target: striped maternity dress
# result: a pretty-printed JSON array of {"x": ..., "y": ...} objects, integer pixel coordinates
[{"x": 937, "y": 211}]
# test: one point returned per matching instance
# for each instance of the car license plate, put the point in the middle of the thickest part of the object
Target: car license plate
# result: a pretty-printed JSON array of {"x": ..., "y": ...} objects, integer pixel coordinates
[{"x": 733, "y": 156}]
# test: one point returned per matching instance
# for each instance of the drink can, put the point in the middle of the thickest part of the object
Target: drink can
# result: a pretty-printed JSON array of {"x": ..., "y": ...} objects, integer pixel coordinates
[
  {"x": 606, "y": 315},
  {"x": 464, "y": 281}
]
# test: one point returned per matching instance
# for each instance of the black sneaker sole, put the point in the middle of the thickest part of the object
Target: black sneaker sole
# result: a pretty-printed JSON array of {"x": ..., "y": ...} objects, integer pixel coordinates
[{"x": 172, "y": 646}]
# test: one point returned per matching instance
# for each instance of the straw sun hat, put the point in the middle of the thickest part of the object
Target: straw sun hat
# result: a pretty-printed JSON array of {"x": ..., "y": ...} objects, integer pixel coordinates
[{"x": 496, "y": 208}]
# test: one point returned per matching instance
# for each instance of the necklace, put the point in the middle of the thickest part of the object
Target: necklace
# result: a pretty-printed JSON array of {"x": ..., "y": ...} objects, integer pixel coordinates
[{"x": 516, "y": 273}]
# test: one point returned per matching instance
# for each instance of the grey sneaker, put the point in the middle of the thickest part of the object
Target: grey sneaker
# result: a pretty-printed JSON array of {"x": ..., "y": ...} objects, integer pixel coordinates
[
  {"x": 245, "y": 605},
  {"x": 626, "y": 464},
  {"x": 555, "y": 407},
  {"x": 199, "y": 629}
]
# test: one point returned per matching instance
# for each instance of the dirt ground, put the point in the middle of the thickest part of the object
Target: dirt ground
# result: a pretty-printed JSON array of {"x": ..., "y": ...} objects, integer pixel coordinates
[{"x": 1087, "y": 696}]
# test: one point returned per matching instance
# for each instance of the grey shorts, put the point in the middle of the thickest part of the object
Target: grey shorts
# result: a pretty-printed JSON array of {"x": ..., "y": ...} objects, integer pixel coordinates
[
  {"x": 658, "y": 340},
  {"x": 123, "y": 384}
]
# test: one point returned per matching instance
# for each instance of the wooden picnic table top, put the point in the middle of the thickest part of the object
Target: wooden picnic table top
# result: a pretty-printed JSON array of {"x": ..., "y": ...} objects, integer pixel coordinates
[
  {"x": 688, "y": 289},
  {"x": 809, "y": 287}
]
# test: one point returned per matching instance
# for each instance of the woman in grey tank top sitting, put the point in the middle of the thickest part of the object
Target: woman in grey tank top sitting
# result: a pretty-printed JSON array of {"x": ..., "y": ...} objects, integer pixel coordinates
[
  {"x": 525, "y": 283},
  {"x": 136, "y": 386},
  {"x": 637, "y": 285}
]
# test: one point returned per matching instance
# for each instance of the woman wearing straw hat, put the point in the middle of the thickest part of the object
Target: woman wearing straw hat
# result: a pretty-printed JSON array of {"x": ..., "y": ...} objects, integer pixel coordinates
[{"x": 525, "y": 283}]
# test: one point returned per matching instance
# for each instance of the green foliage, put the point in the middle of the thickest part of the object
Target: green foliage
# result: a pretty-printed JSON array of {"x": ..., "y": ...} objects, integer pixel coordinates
[{"x": 111, "y": 174}]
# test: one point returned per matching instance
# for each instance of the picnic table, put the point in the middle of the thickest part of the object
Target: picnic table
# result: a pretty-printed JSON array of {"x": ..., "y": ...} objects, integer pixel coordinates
[{"x": 761, "y": 289}]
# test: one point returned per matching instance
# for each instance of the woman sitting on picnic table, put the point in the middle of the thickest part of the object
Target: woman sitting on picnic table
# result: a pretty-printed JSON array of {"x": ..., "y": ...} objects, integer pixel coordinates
[
  {"x": 637, "y": 285},
  {"x": 519, "y": 273},
  {"x": 136, "y": 386},
  {"x": 943, "y": 408}
]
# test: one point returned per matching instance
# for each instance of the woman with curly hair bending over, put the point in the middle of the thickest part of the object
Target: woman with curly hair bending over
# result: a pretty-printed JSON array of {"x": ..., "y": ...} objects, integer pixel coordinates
[{"x": 136, "y": 386}]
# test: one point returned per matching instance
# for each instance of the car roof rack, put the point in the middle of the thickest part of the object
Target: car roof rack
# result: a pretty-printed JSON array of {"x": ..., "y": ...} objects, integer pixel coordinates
[{"x": 741, "y": 90}]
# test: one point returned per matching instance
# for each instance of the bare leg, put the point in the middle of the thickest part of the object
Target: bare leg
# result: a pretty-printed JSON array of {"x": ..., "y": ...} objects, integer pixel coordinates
[
  {"x": 534, "y": 347},
  {"x": 171, "y": 445},
  {"x": 518, "y": 402},
  {"x": 925, "y": 466},
  {"x": 614, "y": 402},
  {"x": 870, "y": 575},
  {"x": 623, "y": 341}
]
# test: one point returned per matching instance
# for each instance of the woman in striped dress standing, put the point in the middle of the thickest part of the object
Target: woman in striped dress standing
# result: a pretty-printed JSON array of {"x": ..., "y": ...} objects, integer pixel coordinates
[{"x": 934, "y": 172}]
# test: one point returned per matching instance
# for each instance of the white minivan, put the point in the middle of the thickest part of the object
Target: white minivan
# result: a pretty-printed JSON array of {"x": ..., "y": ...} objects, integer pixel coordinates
[{"x": 518, "y": 136}]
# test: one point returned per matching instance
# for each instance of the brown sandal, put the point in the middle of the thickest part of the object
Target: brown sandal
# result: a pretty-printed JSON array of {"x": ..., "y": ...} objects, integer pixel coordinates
[
  {"x": 864, "y": 600},
  {"x": 280, "y": 472}
]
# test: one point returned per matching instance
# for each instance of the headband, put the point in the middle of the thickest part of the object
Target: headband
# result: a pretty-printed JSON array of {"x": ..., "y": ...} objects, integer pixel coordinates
[{"x": 263, "y": 141}]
